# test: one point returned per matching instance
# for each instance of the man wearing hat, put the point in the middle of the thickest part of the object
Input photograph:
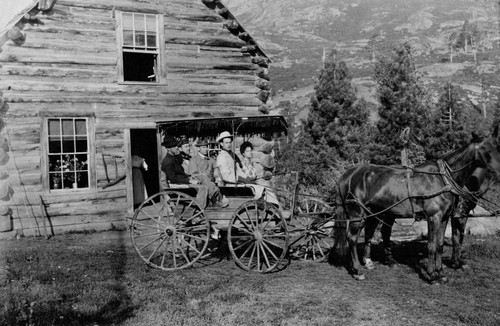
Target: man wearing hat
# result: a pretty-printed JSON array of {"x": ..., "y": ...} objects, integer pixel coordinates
[
  {"x": 229, "y": 164},
  {"x": 202, "y": 167},
  {"x": 172, "y": 167},
  {"x": 184, "y": 153}
]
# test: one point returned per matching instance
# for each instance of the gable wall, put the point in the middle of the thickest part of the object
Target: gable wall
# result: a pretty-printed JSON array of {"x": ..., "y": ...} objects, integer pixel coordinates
[{"x": 68, "y": 64}]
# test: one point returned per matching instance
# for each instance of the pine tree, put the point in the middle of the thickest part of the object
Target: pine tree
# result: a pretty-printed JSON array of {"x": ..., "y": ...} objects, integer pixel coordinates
[
  {"x": 335, "y": 114},
  {"x": 403, "y": 103},
  {"x": 449, "y": 131}
]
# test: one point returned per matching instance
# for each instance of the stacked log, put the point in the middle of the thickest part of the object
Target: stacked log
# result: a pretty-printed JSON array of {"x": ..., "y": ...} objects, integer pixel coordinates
[{"x": 250, "y": 48}]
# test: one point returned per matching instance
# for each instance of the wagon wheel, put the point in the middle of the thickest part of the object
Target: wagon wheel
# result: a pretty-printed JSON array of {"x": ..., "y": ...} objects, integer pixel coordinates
[
  {"x": 311, "y": 227},
  {"x": 170, "y": 231},
  {"x": 257, "y": 236}
]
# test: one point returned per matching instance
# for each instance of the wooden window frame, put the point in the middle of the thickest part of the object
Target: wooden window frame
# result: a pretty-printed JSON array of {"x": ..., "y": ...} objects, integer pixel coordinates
[
  {"x": 160, "y": 68},
  {"x": 44, "y": 142}
]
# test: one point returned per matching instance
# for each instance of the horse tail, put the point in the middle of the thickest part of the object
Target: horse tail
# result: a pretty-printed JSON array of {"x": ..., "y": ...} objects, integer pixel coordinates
[{"x": 339, "y": 252}]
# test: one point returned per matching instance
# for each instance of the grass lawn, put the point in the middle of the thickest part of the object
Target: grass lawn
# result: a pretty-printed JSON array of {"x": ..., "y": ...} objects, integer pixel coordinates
[{"x": 97, "y": 279}]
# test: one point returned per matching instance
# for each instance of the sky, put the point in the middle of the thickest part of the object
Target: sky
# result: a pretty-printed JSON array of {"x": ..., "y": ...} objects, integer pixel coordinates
[{"x": 10, "y": 8}]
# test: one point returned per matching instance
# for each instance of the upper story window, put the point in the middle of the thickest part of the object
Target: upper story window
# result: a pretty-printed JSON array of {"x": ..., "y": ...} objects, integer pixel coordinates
[{"x": 140, "y": 40}]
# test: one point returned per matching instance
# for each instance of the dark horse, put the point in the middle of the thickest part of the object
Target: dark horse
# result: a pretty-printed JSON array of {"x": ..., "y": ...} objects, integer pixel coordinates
[
  {"x": 476, "y": 186},
  {"x": 430, "y": 191}
]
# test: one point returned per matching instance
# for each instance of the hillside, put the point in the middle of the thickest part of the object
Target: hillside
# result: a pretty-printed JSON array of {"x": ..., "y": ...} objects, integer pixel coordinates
[{"x": 295, "y": 34}]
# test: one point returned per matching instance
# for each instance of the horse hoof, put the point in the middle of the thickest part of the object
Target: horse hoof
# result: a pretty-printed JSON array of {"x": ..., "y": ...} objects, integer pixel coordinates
[
  {"x": 369, "y": 264},
  {"x": 390, "y": 262},
  {"x": 360, "y": 277}
]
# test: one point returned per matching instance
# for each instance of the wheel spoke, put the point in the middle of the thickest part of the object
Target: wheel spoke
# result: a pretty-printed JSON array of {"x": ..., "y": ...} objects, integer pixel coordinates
[
  {"x": 243, "y": 244},
  {"x": 194, "y": 237},
  {"x": 148, "y": 235},
  {"x": 257, "y": 245},
  {"x": 264, "y": 245},
  {"x": 149, "y": 243},
  {"x": 243, "y": 230},
  {"x": 191, "y": 218},
  {"x": 251, "y": 255},
  {"x": 261, "y": 245},
  {"x": 154, "y": 251},
  {"x": 248, "y": 227}
]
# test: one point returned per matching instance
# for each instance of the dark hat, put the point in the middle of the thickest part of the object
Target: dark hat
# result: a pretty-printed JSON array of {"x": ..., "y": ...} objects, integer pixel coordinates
[
  {"x": 183, "y": 141},
  {"x": 169, "y": 142},
  {"x": 201, "y": 142}
]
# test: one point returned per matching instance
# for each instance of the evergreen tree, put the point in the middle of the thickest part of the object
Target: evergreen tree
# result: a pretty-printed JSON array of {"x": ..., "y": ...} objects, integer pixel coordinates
[
  {"x": 449, "y": 130},
  {"x": 403, "y": 103},
  {"x": 335, "y": 116},
  {"x": 334, "y": 134}
]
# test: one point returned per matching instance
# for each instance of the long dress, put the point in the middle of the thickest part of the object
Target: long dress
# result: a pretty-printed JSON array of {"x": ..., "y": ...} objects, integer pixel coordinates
[{"x": 138, "y": 185}]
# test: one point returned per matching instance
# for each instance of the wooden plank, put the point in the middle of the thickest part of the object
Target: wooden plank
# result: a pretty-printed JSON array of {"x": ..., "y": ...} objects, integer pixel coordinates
[
  {"x": 165, "y": 99},
  {"x": 92, "y": 59}
]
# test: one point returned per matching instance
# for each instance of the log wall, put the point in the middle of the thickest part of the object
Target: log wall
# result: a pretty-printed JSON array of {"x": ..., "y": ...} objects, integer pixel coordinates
[{"x": 68, "y": 64}]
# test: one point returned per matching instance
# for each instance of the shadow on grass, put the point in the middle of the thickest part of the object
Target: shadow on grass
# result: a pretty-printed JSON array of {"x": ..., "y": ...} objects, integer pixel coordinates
[{"x": 40, "y": 293}]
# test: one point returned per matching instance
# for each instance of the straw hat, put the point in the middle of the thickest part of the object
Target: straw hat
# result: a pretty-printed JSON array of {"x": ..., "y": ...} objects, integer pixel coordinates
[{"x": 224, "y": 134}]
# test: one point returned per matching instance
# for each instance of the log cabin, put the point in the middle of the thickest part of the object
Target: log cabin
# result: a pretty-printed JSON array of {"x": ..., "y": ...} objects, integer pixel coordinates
[{"x": 82, "y": 84}]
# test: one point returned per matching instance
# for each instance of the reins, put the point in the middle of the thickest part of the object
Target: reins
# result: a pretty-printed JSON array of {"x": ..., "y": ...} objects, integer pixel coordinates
[{"x": 451, "y": 186}]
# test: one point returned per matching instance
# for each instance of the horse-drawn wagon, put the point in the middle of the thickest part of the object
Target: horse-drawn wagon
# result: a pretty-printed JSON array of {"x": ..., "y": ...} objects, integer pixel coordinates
[{"x": 171, "y": 231}]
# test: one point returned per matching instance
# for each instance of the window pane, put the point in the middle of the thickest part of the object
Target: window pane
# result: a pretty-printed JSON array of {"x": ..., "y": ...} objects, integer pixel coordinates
[
  {"x": 151, "y": 23},
  {"x": 55, "y": 162},
  {"x": 127, "y": 21},
  {"x": 67, "y": 127},
  {"x": 140, "y": 39},
  {"x": 128, "y": 38},
  {"x": 139, "y": 22},
  {"x": 55, "y": 180},
  {"x": 151, "y": 40},
  {"x": 82, "y": 179},
  {"x": 81, "y": 145},
  {"x": 54, "y": 145},
  {"x": 54, "y": 127},
  {"x": 81, "y": 127},
  {"x": 68, "y": 145}
]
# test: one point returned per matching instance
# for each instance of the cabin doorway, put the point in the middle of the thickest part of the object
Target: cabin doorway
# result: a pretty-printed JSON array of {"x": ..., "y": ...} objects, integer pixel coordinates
[{"x": 143, "y": 143}]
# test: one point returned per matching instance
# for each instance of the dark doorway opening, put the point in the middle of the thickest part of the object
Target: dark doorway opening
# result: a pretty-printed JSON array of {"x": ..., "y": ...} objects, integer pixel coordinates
[{"x": 143, "y": 143}]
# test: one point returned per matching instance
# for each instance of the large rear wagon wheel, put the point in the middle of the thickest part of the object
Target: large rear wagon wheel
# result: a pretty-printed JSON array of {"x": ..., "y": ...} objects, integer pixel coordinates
[
  {"x": 311, "y": 228},
  {"x": 258, "y": 237},
  {"x": 169, "y": 231}
]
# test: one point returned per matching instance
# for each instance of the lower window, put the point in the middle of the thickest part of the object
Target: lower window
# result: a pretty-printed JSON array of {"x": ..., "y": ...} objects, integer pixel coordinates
[{"x": 68, "y": 153}]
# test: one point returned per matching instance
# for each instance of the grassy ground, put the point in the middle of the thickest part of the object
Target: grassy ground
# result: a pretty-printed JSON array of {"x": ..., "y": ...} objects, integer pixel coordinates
[{"x": 89, "y": 279}]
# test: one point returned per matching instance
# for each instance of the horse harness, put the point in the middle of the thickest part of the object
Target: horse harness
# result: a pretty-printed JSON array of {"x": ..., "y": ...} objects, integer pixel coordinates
[{"x": 450, "y": 186}]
